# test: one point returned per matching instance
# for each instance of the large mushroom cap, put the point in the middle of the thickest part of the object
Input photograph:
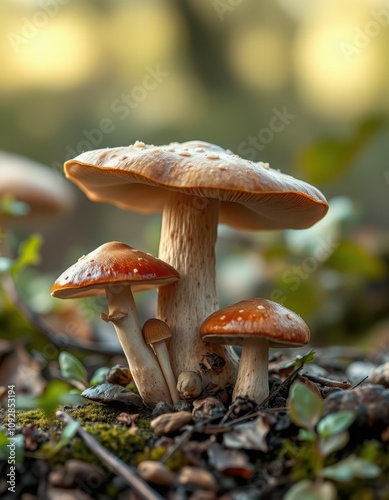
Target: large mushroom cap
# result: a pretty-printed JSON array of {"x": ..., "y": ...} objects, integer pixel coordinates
[
  {"x": 252, "y": 195},
  {"x": 256, "y": 318},
  {"x": 111, "y": 264},
  {"x": 35, "y": 184}
]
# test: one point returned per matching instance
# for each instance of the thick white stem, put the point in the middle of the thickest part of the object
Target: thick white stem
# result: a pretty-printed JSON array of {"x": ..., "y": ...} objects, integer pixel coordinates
[
  {"x": 164, "y": 362},
  {"x": 142, "y": 362},
  {"x": 253, "y": 376},
  {"x": 188, "y": 236}
]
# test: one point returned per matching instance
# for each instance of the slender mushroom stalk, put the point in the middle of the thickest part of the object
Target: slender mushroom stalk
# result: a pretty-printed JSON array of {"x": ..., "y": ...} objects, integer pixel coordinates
[
  {"x": 155, "y": 332},
  {"x": 140, "y": 358},
  {"x": 255, "y": 324},
  {"x": 114, "y": 268},
  {"x": 193, "y": 221}
]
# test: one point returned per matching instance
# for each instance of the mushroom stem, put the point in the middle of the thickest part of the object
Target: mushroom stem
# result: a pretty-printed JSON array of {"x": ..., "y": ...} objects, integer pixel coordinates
[
  {"x": 191, "y": 221},
  {"x": 252, "y": 378},
  {"x": 143, "y": 364},
  {"x": 162, "y": 354}
]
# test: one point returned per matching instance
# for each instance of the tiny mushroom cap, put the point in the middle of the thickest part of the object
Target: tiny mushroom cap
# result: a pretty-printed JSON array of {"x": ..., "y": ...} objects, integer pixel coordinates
[
  {"x": 255, "y": 324},
  {"x": 155, "y": 332},
  {"x": 114, "y": 269},
  {"x": 195, "y": 185},
  {"x": 34, "y": 184}
]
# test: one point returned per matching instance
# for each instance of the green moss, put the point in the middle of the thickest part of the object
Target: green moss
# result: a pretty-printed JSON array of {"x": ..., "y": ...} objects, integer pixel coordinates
[
  {"x": 117, "y": 439},
  {"x": 95, "y": 412},
  {"x": 37, "y": 417}
]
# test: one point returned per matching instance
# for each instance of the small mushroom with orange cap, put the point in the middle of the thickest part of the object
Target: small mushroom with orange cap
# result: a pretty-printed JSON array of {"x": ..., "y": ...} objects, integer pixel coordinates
[
  {"x": 115, "y": 269},
  {"x": 256, "y": 325},
  {"x": 155, "y": 333}
]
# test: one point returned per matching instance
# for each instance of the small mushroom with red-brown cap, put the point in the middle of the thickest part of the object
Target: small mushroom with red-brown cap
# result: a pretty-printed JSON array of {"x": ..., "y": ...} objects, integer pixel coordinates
[
  {"x": 116, "y": 269},
  {"x": 255, "y": 324},
  {"x": 195, "y": 185},
  {"x": 155, "y": 333}
]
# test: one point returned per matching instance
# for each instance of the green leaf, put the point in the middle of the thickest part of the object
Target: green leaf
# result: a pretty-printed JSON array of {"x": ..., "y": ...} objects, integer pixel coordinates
[
  {"x": 305, "y": 407},
  {"x": 71, "y": 368},
  {"x": 16, "y": 441},
  {"x": 330, "y": 444},
  {"x": 99, "y": 377},
  {"x": 335, "y": 423},
  {"x": 29, "y": 254},
  {"x": 305, "y": 435},
  {"x": 56, "y": 392},
  {"x": 351, "y": 468},
  {"x": 327, "y": 159},
  {"x": 4, "y": 452},
  {"x": 69, "y": 431},
  {"x": 306, "y": 359},
  {"x": 307, "y": 490}
]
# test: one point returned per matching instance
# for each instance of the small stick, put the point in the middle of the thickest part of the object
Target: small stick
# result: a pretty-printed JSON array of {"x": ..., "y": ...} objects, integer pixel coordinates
[
  {"x": 360, "y": 382},
  {"x": 128, "y": 473},
  {"x": 328, "y": 382}
]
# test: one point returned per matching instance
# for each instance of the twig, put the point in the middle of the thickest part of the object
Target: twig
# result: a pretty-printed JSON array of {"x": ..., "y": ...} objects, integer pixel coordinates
[
  {"x": 359, "y": 383},
  {"x": 328, "y": 382},
  {"x": 289, "y": 379},
  {"x": 128, "y": 473}
]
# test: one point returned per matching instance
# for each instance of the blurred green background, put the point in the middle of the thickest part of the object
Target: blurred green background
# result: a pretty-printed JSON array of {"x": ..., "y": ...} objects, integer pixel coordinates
[{"x": 302, "y": 84}]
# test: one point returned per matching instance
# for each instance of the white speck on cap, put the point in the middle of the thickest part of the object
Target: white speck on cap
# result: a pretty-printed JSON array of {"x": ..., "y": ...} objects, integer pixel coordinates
[
  {"x": 139, "y": 144},
  {"x": 212, "y": 156}
]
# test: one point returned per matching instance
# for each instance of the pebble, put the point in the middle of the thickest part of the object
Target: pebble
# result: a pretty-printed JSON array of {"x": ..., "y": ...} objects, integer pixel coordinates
[{"x": 170, "y": 422}]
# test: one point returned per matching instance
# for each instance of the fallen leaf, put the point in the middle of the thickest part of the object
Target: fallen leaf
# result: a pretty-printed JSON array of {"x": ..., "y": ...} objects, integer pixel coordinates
[
  {"x": 230, "y": 462},
  {"x": 250, "y": 435}
]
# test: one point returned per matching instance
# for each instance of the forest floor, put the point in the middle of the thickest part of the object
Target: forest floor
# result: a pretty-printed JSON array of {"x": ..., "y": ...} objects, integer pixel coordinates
[{"x": 323, "y": 433}]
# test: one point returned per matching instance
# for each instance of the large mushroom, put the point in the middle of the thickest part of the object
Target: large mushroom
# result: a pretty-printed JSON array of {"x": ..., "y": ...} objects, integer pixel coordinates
[
  {"x": 195, "y": 185},
  {"x": 116, "y": 269},
  {"x": 256, "y": 325}
]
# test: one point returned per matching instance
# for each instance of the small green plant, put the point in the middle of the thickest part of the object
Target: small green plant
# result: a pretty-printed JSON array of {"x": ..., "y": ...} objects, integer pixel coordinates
[
  {"x": 75, "y": 372},
  {"x": 315, "y": 466}
]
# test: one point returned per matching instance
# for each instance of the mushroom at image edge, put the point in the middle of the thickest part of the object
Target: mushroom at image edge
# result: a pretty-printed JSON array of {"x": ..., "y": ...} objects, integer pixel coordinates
[
  {"x": 194, "y": 184},
  {"x": 27, "y": 181},
  {"x": 114, "y": 269},
  {"x": 256, "y": 325}
]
